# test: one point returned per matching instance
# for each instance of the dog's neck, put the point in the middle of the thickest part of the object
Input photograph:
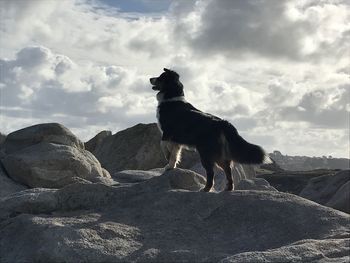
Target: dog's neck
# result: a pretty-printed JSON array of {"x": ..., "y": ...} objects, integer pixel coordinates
[{"x": 160, "y": 98}]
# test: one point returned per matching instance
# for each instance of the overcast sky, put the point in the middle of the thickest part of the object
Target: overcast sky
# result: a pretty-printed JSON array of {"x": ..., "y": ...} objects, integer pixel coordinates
[{"x": 278, "y": 70}]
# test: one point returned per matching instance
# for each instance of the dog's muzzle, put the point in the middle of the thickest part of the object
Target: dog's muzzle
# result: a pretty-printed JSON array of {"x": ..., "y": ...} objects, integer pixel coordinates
[{"x": 154, "y": 83}]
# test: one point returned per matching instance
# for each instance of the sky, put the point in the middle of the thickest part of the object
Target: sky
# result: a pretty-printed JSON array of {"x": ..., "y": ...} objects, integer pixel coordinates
[{"x": 277, "y": 70}]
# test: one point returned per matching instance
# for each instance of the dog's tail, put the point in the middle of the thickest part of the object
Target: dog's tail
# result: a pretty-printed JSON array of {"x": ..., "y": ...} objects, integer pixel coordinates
[{"x": 240, "y": 150}]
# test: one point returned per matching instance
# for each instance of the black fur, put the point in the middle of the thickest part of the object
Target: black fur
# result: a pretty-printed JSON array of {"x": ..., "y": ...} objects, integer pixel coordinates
[{"x": 217, "y": 141}]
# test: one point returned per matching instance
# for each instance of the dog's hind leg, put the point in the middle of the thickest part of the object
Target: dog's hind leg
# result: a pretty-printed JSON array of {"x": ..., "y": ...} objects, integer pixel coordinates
[
  {"x": 226, "y": 166},
  {"x": 174, "y": 155},
  {"x": 208, "y": 165}
]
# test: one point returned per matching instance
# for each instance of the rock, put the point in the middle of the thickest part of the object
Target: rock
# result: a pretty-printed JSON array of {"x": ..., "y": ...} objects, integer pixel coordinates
[
  {"x": 239, "y": 172},
  {"x": 322, "y": 189},
  {"x": 51, "y": 165},
  {"x": 273, "y": 167},
  {"x": 49, "y": 155},
  {"x": 136, "y": 176},
  {"x": 95, "y": 142},
  {"x": 2, "y": 138},
  {"x": 8, "y": 186},
  {"x": 184, "y": 179},
  {"x": 136, "y": 148},
  {"x": 255, "y": 184},
  {"x": 32, "y": 201},
  {"x": 154, "y": 221},
  {"x": 305, "y": 163},
  {"x": 293, "y": 181},
  {"x": 340, "y": 200},
  {"x": 330, "y": 250},
  {"x": 46, "y": 132}
]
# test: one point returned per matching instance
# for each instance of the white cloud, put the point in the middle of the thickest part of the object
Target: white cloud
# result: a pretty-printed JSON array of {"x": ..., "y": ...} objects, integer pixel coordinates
[
  {"x": 276, "y": 69},
  {"x": 53, "y": 87},
  {"x": 298, "y": 30}
]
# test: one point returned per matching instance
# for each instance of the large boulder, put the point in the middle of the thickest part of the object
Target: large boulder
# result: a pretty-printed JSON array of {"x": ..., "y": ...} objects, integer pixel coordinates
[
  {"x": 135, "y": 148},
  {"x": 7, "y": 185},
  {"x": 330, "y": 190},
  {"x": 45, "y": 132},
  {"x": 96, "y": 141},
  {"x": 49, "y": 155},
  {"x": 158, "y": 220}
]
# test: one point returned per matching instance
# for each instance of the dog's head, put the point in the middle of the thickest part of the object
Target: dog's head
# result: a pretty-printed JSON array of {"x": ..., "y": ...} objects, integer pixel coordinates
[{"x": 168, "y": 83}]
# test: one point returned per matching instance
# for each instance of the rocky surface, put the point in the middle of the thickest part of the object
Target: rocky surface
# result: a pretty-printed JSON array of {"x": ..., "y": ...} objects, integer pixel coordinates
[
  {"x": 293, "y": 181},
  {"x": 2, "y": 138},
  {"x": 96, "y": 142},
  {"x": 136, "y": 176},
  {"x": 165, "y": 219},
  {"x": 7, "y": 185},
  {"x": 49, "y": 155},
  {"x": 341, "y": 199},
  {"x": 258, "y": 184},
  {"x": 330, "y": 190},
  {"x": 331, "y": 250},
  {"x": 157, "y": 216}
]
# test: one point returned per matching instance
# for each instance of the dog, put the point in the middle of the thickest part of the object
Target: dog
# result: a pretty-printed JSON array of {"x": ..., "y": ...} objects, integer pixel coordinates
[{"x": 183, "y": 126}]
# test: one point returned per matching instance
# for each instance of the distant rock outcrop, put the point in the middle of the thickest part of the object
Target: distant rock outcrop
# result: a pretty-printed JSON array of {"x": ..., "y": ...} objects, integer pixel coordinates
[
  {"x": 330, "y": 190},
  {"x": 49, "y": 155},
  {"x": 162, "y": 220},
  {"x": 306, "y": 163}
]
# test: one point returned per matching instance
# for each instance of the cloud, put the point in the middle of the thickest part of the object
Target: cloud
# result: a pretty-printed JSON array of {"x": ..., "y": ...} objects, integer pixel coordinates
[
  {"x": 275, "y": 29},
  {"x": 275, "y": 69},
  {"x": 52, "y": 86},
  {"x": 322, "y": 108}
]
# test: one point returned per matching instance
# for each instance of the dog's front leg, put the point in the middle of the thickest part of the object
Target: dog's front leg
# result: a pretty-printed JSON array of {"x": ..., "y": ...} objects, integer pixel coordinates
[
  {"x": 172, "y": 152},
  {"x": 165, "y": 150}
]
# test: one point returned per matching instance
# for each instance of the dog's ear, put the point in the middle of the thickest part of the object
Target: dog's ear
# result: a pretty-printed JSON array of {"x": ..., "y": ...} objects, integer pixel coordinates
[{"x": 166, "y": 70}]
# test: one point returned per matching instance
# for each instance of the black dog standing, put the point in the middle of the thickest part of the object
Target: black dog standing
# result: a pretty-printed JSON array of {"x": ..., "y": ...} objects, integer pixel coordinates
[{"x": 182, "y": 125}]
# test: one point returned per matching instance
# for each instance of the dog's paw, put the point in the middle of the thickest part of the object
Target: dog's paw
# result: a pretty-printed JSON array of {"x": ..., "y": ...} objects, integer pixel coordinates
[
  {"x": 168, "y": 167},
  {"x": 205, "y": 189},
  {"x": 228, "y": 188}
]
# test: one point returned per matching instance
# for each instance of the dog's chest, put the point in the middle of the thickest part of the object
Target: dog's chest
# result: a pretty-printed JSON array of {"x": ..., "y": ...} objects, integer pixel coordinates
[{"x": 158, "y": 118}]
